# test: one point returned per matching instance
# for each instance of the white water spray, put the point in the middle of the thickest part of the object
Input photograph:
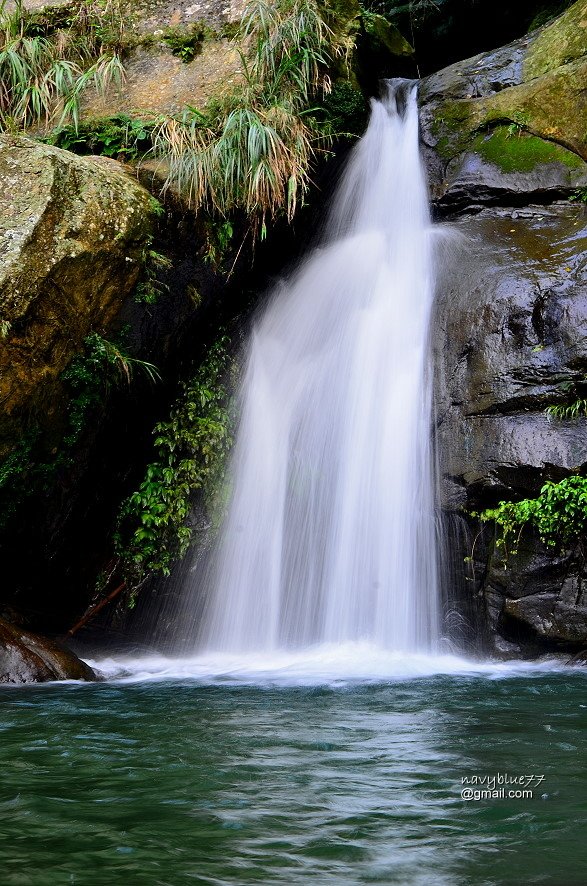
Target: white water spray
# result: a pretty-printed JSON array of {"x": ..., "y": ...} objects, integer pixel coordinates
[{"x": 330, "y": 536}]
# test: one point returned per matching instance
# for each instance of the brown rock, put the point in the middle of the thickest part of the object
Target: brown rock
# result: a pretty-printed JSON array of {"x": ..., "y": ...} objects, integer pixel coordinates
[{"x": 30, "y": 658}]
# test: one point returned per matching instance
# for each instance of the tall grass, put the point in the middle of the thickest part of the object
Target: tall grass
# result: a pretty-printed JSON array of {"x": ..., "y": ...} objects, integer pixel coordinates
[
  {"x": 43, "y": 75},
  {"x": 253, "y": 150}
]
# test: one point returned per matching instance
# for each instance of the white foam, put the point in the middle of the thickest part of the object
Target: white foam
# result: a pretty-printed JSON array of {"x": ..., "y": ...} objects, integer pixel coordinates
[{"x": 324, "y": 664}]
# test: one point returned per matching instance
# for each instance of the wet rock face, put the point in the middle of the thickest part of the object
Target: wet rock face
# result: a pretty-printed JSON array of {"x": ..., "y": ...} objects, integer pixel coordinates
[
  {"x": 505, "y": 144},
  {"x": 72, "y": 235},
  {"x": 30, "y": 658},
  {"x": 510, "y": 337}
]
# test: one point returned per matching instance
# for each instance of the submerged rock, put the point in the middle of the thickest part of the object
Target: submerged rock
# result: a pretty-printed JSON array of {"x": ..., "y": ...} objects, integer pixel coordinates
[{"x": 30, "y": 658}]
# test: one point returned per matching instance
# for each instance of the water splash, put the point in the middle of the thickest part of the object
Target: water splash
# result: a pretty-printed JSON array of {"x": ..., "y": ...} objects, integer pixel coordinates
[{"x": 329, "y": 537}]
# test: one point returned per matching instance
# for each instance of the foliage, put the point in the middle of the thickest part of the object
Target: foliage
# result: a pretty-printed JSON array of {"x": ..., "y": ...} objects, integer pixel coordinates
[
  {"x": 28, "y": 470},
  {"x": 90, "y": 375},
  {"x": 121, "y": 137},
  {"x": 44, "y": 72},
  {"x": 569, "y": 411},
  {"x": 150, "y": 286},
  {"x": 559, "y": 514},
  {"x": 253, "y": 149},
  {"x": 574, "y": 405},
  {"x": 219, "y": 236},
  {"x": 187, "y": 43},
  {"x": 190, "y": 451},
  {"x": 580, "y": 195},
  {"x": 344, "y": 110}
]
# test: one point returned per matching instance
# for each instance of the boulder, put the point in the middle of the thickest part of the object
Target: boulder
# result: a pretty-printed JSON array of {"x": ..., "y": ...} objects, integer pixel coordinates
[
  {"x": 509, "y": 125},
  {"x": 73, "y": 231},
  {"x": 30, "y": 658}
]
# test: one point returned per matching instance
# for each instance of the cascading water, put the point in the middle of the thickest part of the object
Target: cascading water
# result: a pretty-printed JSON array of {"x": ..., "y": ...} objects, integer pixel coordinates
[{"x": 330, "y": 533}]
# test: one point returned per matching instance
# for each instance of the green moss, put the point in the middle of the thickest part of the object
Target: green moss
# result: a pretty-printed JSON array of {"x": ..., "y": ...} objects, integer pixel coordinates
[
  {"x": 547, "y": 13},
  {"x": 187, "y": 43},
  {"x": 520, "y": 152},
  {"x": 384, "y": 35},
  {"x": 452, "y": 127}
]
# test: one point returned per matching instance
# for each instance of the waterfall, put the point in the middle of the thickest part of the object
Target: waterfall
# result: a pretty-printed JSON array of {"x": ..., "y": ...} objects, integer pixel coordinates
[{"x": 329, "y": 536}]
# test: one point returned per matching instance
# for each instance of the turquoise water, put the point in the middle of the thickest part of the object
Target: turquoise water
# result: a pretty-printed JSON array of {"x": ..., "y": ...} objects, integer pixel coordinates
[{"x": 174, "y": 781}]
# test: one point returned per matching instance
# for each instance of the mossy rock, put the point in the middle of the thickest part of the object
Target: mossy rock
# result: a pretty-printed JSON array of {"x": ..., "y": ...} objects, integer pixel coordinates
[
  {"x": 534, "y": 99},
  {"x": 385, "y": 36},
  {"x": 563, "y": 41},
  {"x": 73, "y": 231},
  {"x": 514, "y": 150}
]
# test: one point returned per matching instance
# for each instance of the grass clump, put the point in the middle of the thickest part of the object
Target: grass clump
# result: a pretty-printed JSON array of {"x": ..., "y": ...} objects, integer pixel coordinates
[
  {"x": 571, "y": 411},
  {"x": 44, "y": 71},
  {"x": 253, "y": 149}
]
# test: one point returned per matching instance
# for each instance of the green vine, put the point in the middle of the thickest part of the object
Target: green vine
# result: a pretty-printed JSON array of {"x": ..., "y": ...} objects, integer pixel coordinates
[
  {"x": 190, "y": 448},
  {"x": 559, "y": 514}
]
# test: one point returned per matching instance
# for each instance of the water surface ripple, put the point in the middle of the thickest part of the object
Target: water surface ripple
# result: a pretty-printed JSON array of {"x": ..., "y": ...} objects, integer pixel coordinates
[{"x": 184, "y": 781}]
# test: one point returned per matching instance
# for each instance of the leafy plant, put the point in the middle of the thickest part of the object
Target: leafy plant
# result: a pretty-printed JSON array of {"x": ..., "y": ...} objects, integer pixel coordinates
[
  {"x": 43, "y": 73},
  {"x": 559, "y": 514},
  {"x": 90, "y": 375},
  {"x": 344, "y": 110},
  {"x": 190, "y": 452},
  {"x": 122, "y": 137},
  {"x": 150, "y": 287},
  {"x": 187, "y": 43},
  {"x": 568, "y": 412},
  {"x": 580, "y": 195},
  {"x": 30, "y": 469},
  {"x": 219, "y": 236}
]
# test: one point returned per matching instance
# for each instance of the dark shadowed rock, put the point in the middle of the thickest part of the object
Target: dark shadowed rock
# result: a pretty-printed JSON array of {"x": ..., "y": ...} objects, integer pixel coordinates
[{"x": 30, "y": 658}]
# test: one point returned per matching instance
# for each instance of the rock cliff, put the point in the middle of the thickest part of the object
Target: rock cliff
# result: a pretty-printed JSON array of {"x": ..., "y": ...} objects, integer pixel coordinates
[{"x": 505, "y": 138}]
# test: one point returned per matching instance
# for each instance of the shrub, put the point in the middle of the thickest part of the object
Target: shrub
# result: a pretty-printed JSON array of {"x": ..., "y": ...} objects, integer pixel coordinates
[{"x": 190, "y": 450}]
